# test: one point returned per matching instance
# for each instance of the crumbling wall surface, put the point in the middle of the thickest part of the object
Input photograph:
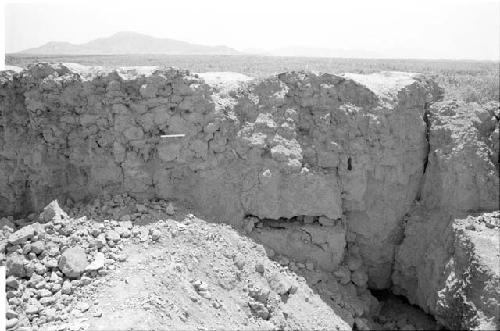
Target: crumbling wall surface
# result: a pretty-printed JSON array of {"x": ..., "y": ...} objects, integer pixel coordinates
[
  {"x": 448, "y": 261},
  {"x": 330, "y": 146},
  {"x": 462, "y": 173},
  {"x": 76, "y": 136},
  {"x": 350, "y": 149},
  {"x": 449, "y": 267}
]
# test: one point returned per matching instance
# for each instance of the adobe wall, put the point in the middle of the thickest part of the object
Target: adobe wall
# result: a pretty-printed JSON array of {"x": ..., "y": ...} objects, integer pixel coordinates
[{"x": 349, "y": 148}]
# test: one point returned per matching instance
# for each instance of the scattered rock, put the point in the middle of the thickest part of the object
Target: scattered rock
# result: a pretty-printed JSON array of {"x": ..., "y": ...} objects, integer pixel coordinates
[
  {"x": 10, "y": 314},
  {"x": 259, "y": 310},
  {"x": 259, "y": 267},
  {"x": 122, "y": 258},
  {"x": 124, "y": 232},
  {"x": 52, "y": 212},
  {"x": 51, "y": 264},
  {"x": 50, "y": 314},
  {"x": 259, "y": 294},
  {"x": 38, "y": 247},
  {"x": 11, "y": 323},
  {"x": 56, "y": 288},
  {"x": 85, "y": 280},
  {"x": 22, "y": 235},
  {"x": 278, "y": 283},
  {"x": 239, "y": 261},
  {"x": 98, "y": 263},
  {"x": 45, "y": 301},
  {"x": 12, "y": 282},
  {"x": 32, "y": 309},
  {"x": 113, "y": 236},
  {"x": 155, "y": 234},
  {"x": 82, "y": 306},
  {"x": 73, "y": 262},
  {"x": 200, "y": 286},
  {"x": 26, "y": 249},
  {"x": 143, "y": 235},
  {"x": 52, "y": 249},
  {"x": 15, "y": 266},
  {"x": 205, "y": 294},
  {"x": 100, "y": 240}
]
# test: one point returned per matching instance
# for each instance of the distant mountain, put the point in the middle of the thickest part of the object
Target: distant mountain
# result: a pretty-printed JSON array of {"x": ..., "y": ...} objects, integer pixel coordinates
[
  {"x": 301, "y": 51},
  {"x": 129, "y": 43},
  {"x": 137, "y": 43}
]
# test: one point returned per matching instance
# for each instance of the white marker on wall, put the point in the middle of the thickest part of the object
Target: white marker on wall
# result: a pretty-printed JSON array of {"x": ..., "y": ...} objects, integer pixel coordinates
[{"x": 180, "y": 135}]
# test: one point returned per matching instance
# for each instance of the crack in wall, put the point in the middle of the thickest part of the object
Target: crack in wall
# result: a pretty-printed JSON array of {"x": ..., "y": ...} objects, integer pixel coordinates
[
  {"x": 418, "y": 197},
  {"x": 427, "y": 149},
  {"x": 427, "y": 133}
]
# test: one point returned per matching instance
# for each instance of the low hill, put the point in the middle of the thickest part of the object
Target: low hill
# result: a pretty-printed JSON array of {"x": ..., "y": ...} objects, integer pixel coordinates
[{"x": 129, "y": 43}]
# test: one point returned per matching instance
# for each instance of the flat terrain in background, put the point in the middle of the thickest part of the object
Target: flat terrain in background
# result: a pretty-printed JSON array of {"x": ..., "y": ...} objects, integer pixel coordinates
[{"x": 471, "y": 81}]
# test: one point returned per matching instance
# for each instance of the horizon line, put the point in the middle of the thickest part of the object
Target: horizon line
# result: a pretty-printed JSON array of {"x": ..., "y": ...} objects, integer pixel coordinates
[{"x": 20, "y": 54}]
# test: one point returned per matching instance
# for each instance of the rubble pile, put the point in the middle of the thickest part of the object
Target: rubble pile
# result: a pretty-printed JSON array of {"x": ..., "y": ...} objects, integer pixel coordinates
[
  {"x": 57, "y": 268},
  {"x": 50, "y": 260}
]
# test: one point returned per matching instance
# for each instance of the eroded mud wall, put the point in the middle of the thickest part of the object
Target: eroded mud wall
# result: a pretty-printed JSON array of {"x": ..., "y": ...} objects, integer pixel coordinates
[
  {"x": 349, "y": 148},
  {"x": 448, "y": 262}
]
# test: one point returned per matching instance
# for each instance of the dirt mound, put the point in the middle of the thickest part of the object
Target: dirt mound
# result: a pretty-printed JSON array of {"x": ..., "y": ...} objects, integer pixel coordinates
[{"x": 177, "y": 272}]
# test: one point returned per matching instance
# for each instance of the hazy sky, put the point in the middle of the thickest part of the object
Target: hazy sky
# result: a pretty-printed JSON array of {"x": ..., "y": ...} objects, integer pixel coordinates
[{"x": 394, "y": 28}]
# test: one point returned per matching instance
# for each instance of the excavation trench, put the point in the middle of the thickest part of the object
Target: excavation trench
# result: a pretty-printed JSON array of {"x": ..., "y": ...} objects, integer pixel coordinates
[
  {"x": 322, "y": 168},
  {"x": 316, "y": 248},
  {"x": 283, "y": 149},
  {"x": 396, "y": 312}
]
